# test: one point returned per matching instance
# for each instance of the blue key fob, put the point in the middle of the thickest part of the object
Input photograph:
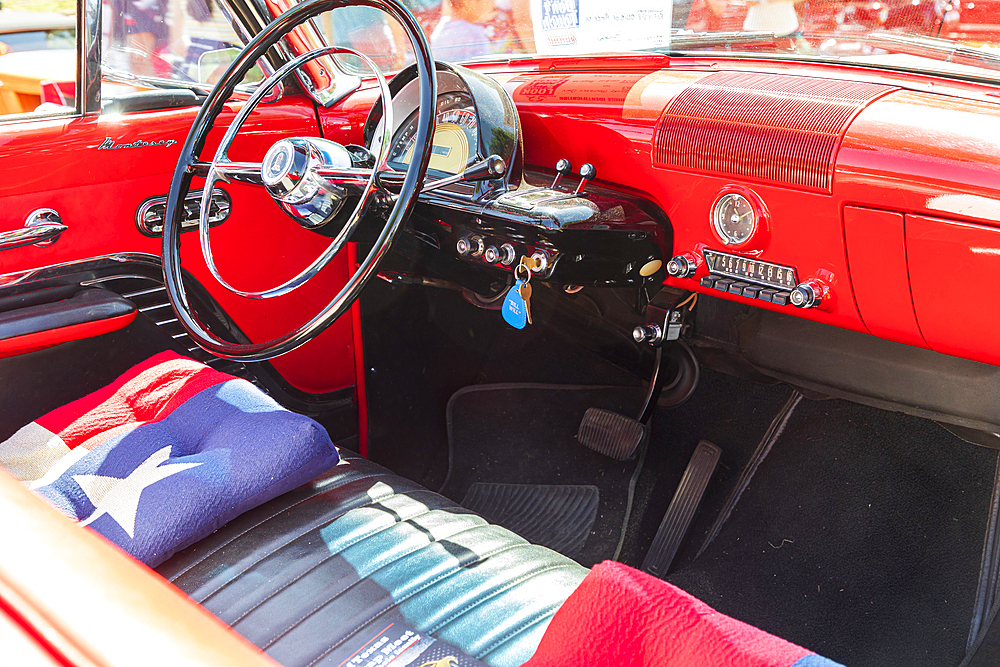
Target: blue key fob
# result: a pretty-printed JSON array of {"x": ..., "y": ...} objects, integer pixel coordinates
[{"x": 515, "y": 313}]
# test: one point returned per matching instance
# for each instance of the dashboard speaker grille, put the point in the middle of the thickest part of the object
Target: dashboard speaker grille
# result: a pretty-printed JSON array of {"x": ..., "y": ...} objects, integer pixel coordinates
[{"x": 769, "y": 127}]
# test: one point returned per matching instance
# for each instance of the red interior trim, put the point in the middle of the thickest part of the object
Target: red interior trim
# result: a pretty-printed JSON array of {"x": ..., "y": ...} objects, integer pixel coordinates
[
  {"x": 11, "y": 347},
  {"x": 359, "y": 360}
]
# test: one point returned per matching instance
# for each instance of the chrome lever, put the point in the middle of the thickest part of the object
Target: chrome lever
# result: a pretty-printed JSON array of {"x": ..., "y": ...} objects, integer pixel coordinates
[
  {"x": 484, "y": 170},
  {"x": 41, "y": 228}
]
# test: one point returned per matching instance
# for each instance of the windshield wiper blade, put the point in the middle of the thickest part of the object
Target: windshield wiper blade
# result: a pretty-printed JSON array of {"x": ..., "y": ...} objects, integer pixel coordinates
[{"x": 934, "y": 48}]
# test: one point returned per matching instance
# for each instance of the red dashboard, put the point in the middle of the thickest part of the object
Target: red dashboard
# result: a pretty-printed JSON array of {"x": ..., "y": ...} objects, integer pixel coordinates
[{"x": 881, "y": 190}]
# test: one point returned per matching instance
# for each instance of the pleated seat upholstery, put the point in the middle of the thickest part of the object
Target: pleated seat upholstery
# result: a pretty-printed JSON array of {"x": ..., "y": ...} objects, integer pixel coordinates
[{"x": 308, "y": 575}]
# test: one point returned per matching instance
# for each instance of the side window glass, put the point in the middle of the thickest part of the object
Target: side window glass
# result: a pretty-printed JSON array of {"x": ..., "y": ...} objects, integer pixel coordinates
[
  {"x": 37, "y": 57},
  {"x": 151, "y": 44}
]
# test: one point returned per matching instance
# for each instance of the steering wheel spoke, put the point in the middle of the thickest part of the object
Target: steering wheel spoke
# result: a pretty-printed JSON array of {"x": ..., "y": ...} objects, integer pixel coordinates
[
  {"x": 310, "y": 179},
  {"x": 244, "y": 172}
]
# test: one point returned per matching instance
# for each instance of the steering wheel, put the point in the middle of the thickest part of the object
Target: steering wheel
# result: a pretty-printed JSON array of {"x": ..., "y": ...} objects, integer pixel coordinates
[{"x": 291, "y": 170}]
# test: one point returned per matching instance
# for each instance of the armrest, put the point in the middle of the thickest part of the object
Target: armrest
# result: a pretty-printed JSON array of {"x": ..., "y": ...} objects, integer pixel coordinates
[{"x": 32, "y": 322}]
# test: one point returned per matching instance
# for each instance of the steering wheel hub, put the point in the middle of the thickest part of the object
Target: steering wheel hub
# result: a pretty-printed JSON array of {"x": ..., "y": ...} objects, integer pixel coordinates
[
  {"x": 291, "y": 173},
  {"x": 283, "y": 167}
]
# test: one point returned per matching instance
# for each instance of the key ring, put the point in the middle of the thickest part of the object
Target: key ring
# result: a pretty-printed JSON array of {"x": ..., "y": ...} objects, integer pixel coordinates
[{"x": 527, "y": 273}]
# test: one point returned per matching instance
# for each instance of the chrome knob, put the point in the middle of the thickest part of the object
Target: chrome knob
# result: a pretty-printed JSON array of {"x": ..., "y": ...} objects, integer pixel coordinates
[
  {"x": 808, "y": 294},
  {"x": 683, "y": 266},
  {"x": 648, "y": 333},
  {"x": 478, "y": 247},
  {"x": 491, "y": 254},
  {"x": 463, "y": 246},
  {"x": 507, "y": 254}
]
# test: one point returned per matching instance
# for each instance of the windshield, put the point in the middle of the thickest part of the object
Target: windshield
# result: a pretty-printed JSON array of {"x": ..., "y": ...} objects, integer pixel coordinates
[{"x": 936, "y": 36}]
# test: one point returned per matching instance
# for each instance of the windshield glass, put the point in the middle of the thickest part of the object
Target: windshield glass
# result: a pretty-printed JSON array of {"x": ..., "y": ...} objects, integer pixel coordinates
[{"x": 957, "y": 37}]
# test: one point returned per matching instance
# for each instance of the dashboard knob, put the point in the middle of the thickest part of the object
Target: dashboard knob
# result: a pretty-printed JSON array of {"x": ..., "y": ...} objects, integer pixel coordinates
[
  {"x": 563, "y": 168},
  {"x": 684, "y": 265},
  {"x": 478, "y": 247},
  {"x": 491, "y": 255},
  {"x": 507, "y": 254},
  {"x": 463, "y": 246},
  {"x": 587, "y": 174},
  {"x": 808, "y": 294},
  {"x": 648, "y": 333}
]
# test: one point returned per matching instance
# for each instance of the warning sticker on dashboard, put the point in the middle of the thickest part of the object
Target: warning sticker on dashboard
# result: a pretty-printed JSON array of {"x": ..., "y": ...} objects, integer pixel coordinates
[{"x": 401, "y": 646}]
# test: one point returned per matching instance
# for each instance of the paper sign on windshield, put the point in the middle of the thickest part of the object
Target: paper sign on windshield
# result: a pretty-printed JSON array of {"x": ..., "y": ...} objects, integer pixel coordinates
[{"x": 586, "y": 26}]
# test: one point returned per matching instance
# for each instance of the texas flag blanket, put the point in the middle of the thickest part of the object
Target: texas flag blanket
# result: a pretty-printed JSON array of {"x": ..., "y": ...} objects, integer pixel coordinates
[
  {"x": 621, "y": 617},
  {"x": 166, "y": 454}
]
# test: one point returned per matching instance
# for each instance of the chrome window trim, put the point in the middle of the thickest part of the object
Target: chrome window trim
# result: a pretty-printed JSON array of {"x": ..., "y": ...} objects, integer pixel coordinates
[{"x": 88, "y": 62}]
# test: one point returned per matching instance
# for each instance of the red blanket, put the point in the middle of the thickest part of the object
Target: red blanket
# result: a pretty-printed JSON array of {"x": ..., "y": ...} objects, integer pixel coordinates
[{"x": 620, "y": 617}]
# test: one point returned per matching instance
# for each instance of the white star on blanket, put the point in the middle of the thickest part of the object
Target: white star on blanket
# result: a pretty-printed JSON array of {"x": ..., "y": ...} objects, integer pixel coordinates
[{"x": 119, "y": 498}]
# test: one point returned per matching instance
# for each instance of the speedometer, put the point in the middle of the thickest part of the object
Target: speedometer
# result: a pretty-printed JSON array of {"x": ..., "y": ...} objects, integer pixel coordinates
[{"x": 456, "y": 136}]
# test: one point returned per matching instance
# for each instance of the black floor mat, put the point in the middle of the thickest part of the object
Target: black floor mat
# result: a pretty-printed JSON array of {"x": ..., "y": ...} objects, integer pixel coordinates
[
  {"x": 525, "y": 434},
  {"x": 859, "y": 537},
  {"x": 559, "y": 517}
]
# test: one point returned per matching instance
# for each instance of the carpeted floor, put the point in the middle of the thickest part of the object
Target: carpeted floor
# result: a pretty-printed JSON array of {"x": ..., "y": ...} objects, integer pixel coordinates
[{"x": 859, "y": 537}]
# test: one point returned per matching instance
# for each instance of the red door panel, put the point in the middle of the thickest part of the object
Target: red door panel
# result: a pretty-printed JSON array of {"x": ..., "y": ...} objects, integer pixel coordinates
[
  {"x": 60, "y": 164},
  {"x": 876, "y": 256},
  {"x": 945, "y": 259}
]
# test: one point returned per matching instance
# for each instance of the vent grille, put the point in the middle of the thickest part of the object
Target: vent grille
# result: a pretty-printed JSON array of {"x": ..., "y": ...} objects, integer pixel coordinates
[{"x": 781, "y": 129}]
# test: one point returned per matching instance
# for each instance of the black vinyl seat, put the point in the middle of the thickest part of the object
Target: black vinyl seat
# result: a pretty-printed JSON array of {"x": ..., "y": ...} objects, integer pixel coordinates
[{"x": 309, "y": 575}]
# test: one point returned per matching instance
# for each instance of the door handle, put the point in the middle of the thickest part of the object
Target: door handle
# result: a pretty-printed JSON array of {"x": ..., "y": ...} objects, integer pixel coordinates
[{"x": 42, "y": 228}]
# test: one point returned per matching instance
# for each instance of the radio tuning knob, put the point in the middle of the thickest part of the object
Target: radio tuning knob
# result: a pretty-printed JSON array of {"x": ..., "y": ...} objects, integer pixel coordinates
[
  {"x": 808, "y": 294},
  {"x": 684, "y": 265}
]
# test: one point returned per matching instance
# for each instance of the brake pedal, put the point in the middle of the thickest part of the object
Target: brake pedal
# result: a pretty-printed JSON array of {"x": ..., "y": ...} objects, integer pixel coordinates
[
  {"x": 682, "y": 508},
  {"x": 611, "y": 434}
]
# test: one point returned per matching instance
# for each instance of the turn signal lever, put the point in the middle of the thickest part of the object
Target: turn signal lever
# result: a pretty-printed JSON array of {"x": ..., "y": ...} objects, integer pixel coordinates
[{"x": 484, "y": 170}]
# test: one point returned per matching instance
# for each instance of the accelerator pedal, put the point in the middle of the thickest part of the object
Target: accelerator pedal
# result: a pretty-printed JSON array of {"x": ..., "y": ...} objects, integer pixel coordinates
[
  {"x": 682, "y": 508},
  {"x": 611, "y": 434}
]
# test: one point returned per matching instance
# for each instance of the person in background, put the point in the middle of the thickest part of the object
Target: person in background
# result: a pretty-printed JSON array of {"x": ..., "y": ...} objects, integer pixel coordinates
[
  {"x": 476, "y": 28},
  {"x": 146, "y": 35}
]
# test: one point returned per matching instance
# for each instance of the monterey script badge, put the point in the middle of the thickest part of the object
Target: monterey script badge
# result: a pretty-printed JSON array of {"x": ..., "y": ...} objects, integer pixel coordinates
[{"x": 109, "y": 144}]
